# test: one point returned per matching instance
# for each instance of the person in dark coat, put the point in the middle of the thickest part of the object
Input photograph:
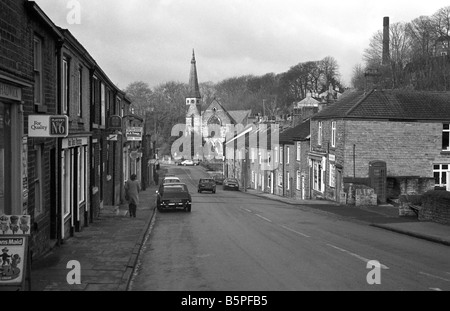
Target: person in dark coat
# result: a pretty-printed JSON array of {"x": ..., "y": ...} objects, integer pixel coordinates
[{"x": 132, "y": 189}]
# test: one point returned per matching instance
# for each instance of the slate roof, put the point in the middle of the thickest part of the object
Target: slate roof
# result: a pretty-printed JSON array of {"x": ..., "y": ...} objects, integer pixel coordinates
[
  {"x": 239, "y": 115},
  {"x": 391, "y": 105},
  {"x": 297, "y": 133}
]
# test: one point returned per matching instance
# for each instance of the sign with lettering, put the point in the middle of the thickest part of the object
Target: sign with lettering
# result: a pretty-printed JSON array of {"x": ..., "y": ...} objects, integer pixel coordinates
[
  {"x": 332, "y": 158},
  {"x": 113, "y": 137},
  {"x": 74, "y": 142},
  {"x": 134, "y": 133},
  {"x": 115, "y": 123},
  {"x": 48, "y": 126},
  {"x": 10, "y": 91},
  {"x": 12, "y": 260}
]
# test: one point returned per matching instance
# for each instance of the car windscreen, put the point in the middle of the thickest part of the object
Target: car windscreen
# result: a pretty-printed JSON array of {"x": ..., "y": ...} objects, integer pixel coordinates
[
  {"x": 175, "y": 188},
  {"x": 205, "y": 180},
  {"x": 232, "y": 180}
]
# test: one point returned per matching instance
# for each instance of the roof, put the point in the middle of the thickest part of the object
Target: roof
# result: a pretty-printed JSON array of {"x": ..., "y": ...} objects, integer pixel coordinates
[
  {"x": 194, "y": 89},
  {"x": 297, "y": 133},
  {"x": 239, "y": 115},
  {"x": 391, "y": 105}
]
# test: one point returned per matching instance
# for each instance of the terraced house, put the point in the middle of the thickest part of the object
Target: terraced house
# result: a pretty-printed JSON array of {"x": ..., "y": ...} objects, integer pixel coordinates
[{"x": 393, "y": 141}]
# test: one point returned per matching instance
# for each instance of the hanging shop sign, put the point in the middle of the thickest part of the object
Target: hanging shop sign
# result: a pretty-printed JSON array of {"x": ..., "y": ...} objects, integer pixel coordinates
[
  {"x": 13, "y": 259},
  {"x": 134, "y": 133},
  {"x": 115, "y": 123},
  {"x": 48, "y": 126}
]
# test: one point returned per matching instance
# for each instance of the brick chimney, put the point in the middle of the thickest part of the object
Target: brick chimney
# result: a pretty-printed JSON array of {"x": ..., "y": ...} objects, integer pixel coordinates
[{"x": 386, "y": 53}]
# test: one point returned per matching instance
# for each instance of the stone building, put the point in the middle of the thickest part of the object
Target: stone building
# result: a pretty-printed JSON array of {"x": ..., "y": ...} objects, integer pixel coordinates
[{"x": 394, "y": 141}]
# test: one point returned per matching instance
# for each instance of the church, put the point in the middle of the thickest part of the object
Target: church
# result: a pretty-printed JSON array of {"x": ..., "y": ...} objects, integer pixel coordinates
[{"x": 215, "y": 118}]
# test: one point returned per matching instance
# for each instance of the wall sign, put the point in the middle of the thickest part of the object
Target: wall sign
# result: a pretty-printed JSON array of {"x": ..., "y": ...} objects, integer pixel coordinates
[
  {"x": 48, "y": 126},
  {"x": 134, "y": 133},
  {"x": 13, "y": 252},
  {"x": 10, "y": 91}
]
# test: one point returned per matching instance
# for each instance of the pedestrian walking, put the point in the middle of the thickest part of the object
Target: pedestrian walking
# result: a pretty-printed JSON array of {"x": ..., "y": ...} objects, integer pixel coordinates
[{"x": 132, "y": 189}]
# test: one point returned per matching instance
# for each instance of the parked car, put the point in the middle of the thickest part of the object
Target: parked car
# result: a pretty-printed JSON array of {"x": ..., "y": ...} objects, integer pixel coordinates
[
  {"x": 178, "y": 162},
  {"x": 219, "y": 178},
  {"x": 173, "y": 196},
  {"x": 231, "y": 183},
  {"x": 171, "y": 179},
  {"x": 206, "y": 184},
  {"x": 187, "y": 163}
]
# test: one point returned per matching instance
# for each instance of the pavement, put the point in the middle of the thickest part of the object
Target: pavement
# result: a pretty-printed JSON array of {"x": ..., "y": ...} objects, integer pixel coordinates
[
  {"x": 108, "y": 248},
  {"x": 107, "y": 251}
]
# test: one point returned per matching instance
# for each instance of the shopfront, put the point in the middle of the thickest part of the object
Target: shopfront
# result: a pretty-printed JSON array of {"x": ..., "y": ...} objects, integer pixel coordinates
[
  {"x": 74, "y": 177},
  {"x": 13, "y": 188}
]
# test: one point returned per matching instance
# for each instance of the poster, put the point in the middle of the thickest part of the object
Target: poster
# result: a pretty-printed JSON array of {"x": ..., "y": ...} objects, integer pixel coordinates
[
  {"x": 12, "y": 260},
  {"x": 15, "y": 225}
]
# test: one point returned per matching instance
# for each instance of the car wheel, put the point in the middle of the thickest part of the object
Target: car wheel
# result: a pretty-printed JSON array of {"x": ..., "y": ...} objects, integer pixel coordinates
[
  {"x": 188, "y": 208},
  {"x": 214, "y": 191}
]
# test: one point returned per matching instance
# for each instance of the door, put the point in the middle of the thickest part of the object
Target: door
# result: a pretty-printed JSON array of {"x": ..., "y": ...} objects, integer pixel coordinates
[{"x": 338, "y": 185}]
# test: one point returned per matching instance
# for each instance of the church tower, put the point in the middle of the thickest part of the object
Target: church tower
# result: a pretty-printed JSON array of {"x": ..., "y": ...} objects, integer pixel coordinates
[{"x": 193, "y": 99}]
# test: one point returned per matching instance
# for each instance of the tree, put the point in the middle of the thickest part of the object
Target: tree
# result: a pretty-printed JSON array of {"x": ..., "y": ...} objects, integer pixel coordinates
[
  {"x": 140, "y": 95},
  {"x": 358, "y": 79}
]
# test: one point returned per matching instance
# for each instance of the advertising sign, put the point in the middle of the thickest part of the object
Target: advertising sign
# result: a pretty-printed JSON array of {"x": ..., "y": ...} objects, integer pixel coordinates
[
  {"x": 15, "y": 225},
  {"x": 12, "y": 260},
  {"x": 48, "y": 126},
  {"x": 115, "y": 123},
  {"x": 134, "y": 133}
]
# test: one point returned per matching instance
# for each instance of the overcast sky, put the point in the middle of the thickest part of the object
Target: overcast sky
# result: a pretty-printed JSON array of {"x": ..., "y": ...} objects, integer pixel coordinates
[{"x": 152, "y": 40}]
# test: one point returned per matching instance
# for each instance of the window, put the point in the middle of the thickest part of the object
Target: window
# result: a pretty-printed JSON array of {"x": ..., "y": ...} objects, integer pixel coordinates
[
  {"x": 333, "y": 134},
  {"x": 288, "y": 181},
  {"x": 440, "y": 175},
  {"x": 319, "y": 138},
  {"x": 118, "y": 107},
  {"x": 38, "y": 182},
  {"x": 446, "y": 137},
  {"x": 332, "y": 176},
  {"x": 299, "y": 150},
  {"x": 280, "y": 179},
  {"x": 276, "y": 155},
  {"x": 281, "y": 155},
  {"x": 80, "y": 92},
  {"x": 299, "y": 176},
  {"x": 253, "y": 155},
  {"x": 102, "y": 105},
  {"x": 288, "y": 151},
  {"x": 81, "y": 174},
  {"x": 65, "y": 87},
  {"x": 253, "y": 177},
  {"x": 37, "y": 71}
]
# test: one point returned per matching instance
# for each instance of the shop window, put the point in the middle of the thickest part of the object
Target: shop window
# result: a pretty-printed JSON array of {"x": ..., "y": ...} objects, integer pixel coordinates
[{"x": 5, "y": 159}]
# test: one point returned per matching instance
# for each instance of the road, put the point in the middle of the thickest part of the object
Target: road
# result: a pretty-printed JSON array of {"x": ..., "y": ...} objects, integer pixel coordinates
[{"x": 234, "y": 241}]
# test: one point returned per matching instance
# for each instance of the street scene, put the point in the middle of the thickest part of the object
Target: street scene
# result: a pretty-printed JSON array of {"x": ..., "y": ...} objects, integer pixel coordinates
[{"x": 287, "y": 156}]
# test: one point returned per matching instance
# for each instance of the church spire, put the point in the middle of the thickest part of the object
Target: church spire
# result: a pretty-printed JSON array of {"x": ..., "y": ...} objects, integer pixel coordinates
[{"x": 194, "y": 89}]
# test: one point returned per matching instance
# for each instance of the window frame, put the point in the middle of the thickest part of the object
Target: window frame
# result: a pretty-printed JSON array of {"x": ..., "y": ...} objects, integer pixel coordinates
[
  {"x": 65, "y": 90},
  {"x": 320, "y": 133},
  {"x": 299, "y": 151},
  {"x": 37, "y": 69},
  {"x": 333, "y": 134},
  {"x": 446, "y": 132}
]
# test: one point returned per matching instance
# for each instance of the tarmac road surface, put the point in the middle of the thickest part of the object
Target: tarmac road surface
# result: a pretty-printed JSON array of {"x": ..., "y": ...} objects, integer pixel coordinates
[{"x": 233, "y": 241}]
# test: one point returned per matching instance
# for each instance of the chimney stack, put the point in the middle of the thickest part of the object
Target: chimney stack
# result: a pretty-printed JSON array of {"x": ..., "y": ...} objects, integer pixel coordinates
[{"x": 386, "y": 54}]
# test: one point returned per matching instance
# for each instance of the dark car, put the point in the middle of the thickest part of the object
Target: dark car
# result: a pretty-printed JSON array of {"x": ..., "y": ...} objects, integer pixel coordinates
[
  {"x": 206, "y": 184},
  {"x": 219, "y": 178},
  {"x": 173, "y": 196},
  {"x": 231, "y": 183}
]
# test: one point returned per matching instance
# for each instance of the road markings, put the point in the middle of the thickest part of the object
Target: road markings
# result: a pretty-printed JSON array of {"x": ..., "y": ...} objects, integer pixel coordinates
[
  {"x": 436, "y": 289},
  {"x": 266, "y": 219},
  {"x": 247, "y": 210},
  {"x": 356, "y": 255},
  {"x": 435, "y": 276},
  {"x": 299, "y": 233}
]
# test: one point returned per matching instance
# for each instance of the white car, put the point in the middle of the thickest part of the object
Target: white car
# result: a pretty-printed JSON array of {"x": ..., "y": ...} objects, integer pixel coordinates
[
  {"x": 171, "y": 179},
  {"x": 187, "y": 162}
]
